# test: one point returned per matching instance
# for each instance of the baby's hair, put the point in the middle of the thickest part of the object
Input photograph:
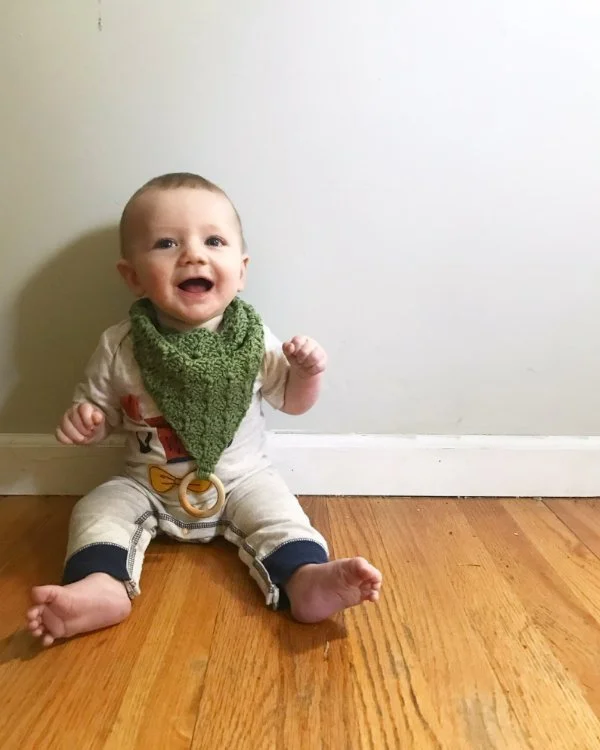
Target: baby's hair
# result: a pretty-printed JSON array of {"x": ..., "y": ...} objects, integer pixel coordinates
[{"x": 171, "y": 181}]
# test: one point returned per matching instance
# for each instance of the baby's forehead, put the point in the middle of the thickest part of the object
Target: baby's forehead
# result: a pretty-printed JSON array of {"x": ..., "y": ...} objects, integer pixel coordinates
[{"x": 183, "y": 205}]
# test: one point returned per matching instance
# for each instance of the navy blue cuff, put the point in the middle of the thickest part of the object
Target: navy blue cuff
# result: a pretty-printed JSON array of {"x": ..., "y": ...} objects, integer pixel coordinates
[
  {"x": 282, "y": 563},
  {"x": 97, "y": 558}
]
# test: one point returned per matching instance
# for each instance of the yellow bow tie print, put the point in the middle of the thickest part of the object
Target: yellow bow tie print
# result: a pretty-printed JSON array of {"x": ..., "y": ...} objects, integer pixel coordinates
[{"x": 162, "y": 481}]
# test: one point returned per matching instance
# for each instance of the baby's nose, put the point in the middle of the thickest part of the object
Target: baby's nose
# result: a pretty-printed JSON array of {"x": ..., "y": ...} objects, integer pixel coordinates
[{"x": 194, "y": 252}]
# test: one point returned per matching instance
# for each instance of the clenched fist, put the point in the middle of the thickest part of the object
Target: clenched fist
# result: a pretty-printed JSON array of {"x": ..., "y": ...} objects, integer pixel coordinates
[
  {"x": 305, "y": 356},
  {"x": 82, "y": 424}
]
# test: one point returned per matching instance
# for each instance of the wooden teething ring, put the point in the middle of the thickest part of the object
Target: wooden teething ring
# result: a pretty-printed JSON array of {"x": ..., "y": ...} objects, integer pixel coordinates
[{"x": 201, "y": 512}]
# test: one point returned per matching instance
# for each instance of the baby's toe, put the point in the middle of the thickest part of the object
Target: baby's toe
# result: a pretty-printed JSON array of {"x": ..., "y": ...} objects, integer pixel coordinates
[{"x": 47, "y": 640}]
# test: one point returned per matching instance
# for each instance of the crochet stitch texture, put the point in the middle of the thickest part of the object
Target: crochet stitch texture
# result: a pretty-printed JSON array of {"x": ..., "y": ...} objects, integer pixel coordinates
[{"x": 202, "y": 381}]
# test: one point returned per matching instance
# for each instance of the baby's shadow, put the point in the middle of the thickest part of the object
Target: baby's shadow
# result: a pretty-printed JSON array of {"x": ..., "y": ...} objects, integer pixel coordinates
[
  {"x": 60, "y": 313},
  {"x": 20, "y": 646}
]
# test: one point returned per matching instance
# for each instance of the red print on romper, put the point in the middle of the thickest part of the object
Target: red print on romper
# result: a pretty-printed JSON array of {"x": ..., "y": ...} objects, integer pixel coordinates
[{"x": 172, "y": 445}]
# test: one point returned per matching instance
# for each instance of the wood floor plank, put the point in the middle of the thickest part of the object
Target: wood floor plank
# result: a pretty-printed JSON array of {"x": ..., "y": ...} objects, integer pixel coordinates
[
  {"x": 129, "y": 663},
  {"x": 582, "y": 517},
  {"x": 417, "y": 650},
  {"x": 388, "y": 714},
  {"x": 548, "y": 703},
  {"x": 485, "y": 637},
  {"x": 564, "y": 551},
  {"x": 295, "y": 691},
  {"x": 24, "y": 668},
  {"x": 134, "y": 657},
  {"x": 554, "y": 607},
  {"x": 159, "y": 707},
  {"x": 97, "y": 666},
  {"x": 315, "y": 690},
  {"x": 239, "y": 705}
]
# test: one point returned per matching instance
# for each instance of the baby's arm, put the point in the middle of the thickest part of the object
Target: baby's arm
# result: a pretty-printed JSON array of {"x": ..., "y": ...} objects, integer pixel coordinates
[
  {"x": 96, "y": 404},
  {"x": 307, "y": 361}
]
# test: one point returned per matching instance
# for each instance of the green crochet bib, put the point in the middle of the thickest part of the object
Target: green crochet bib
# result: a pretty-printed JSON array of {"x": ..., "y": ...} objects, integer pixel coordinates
[{"x": 202, "y": 381}]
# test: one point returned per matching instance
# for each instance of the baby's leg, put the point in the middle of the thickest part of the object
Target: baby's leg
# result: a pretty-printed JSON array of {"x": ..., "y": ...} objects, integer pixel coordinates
[
  {"x": 109, "y": 531},
  {"x": 288, "y": 558}
]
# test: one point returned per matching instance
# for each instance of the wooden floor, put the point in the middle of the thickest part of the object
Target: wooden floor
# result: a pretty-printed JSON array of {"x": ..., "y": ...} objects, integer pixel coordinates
[{"x": 487, "y": 636}]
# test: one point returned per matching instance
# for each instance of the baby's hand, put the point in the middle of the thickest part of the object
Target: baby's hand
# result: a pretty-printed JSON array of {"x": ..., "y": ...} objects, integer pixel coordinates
[
  {"x": 306, "y": 357},
  {"x": 81, "y": 424}
]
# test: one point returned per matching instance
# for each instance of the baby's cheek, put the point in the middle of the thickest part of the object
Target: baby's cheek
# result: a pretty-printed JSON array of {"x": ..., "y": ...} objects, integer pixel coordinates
[
  {"x": 156, "y": 273},
  {"x": 156, "y": 279}
]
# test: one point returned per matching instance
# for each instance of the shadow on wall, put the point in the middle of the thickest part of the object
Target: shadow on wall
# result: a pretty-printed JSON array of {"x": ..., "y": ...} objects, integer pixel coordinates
[{"x": 62, "y": 311}]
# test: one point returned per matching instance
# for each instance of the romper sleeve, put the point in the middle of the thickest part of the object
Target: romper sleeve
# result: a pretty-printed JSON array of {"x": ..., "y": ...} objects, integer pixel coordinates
[
  {"x": 99, "y": 385},
  {"x": 275, "y": 370}
]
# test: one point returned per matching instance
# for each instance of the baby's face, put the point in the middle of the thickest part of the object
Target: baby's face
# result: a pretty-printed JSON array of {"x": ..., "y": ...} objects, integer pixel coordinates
[{"x": 185, "y": 253}]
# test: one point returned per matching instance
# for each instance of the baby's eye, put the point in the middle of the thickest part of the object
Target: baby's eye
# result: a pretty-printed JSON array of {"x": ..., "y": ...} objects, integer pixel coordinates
[
  {"x": 165, "y": 243},
  {"x": 215, "y": 241}
]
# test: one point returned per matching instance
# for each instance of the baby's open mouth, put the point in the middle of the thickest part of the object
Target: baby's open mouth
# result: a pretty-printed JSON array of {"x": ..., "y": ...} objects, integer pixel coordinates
[{"x": 196, "y": 285}]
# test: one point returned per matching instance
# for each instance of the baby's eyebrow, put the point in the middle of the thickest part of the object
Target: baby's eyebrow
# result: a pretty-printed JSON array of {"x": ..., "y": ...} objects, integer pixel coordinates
[
  {"x": 212, "y": 228},
  {"x": 160, "y": 229}
]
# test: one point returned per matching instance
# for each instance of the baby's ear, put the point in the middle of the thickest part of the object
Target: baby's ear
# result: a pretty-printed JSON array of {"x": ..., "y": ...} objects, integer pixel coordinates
[
  {"x": 243, "y": 272},
  {"x": 130, "y": 277}
]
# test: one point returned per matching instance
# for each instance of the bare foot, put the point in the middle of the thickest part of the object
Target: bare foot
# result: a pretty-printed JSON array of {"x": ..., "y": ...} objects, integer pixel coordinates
[
  {"x": 318, "y": 591},
  {"x": 95, "y": 602}
]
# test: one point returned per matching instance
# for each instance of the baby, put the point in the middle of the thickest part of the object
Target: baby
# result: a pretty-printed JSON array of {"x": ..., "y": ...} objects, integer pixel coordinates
[{"x": 184, "y": 378}]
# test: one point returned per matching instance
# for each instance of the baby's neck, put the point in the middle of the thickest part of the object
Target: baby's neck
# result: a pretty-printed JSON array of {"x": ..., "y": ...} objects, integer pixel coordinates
[{"x": 167, "y": 323}]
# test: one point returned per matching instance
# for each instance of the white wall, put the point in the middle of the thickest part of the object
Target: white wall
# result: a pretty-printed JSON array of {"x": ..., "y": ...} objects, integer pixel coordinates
[{"x": 420, "y": 185}]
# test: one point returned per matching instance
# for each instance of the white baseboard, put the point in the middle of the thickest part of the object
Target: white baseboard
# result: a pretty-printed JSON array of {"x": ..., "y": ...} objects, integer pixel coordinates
[{"x": 390, "y": 465}]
